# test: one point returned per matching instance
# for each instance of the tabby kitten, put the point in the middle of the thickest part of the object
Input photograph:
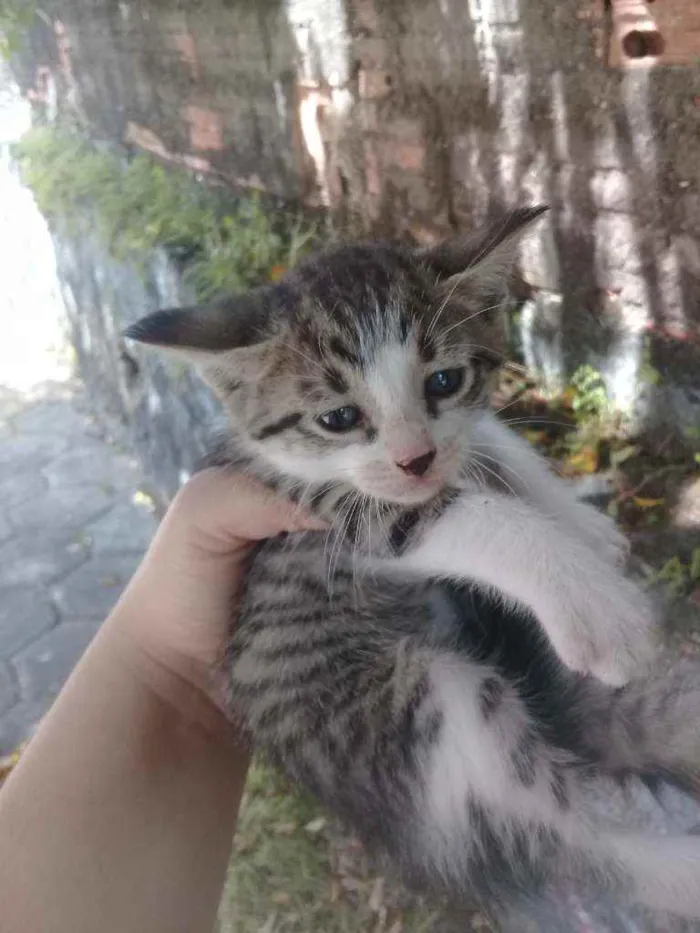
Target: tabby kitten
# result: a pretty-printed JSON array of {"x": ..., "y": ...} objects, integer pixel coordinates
[{"x": 445, "y": 667}]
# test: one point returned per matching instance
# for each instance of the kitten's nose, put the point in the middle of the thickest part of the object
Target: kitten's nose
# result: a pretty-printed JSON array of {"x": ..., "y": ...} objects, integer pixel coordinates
[{"x": 419, "y": 465}]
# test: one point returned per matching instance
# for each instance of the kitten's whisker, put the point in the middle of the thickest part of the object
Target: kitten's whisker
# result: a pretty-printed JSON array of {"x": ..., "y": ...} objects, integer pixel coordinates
[
  {"x": 471, "y": 474},
  {"x": 345, "y": 516},
  {"x": 470, "y": 317},
  {"x": 503, "y": 466},
  {"x": 497, "y": 476},
  {"x": 319, "y": 366},
  {"x": 513, "y": 401},
  {"x": 537, "y": 421},
  {"x": 436, "y": 316}
]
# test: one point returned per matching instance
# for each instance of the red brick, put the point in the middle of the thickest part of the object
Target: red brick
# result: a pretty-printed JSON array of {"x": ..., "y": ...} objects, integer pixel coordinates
[
  {"x": 185, "y": 45},
  {"x": 205, "y": 127}
]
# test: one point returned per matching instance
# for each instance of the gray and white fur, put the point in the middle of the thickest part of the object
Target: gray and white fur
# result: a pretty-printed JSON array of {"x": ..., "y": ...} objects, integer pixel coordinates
[{"x": 453, "y": 663}]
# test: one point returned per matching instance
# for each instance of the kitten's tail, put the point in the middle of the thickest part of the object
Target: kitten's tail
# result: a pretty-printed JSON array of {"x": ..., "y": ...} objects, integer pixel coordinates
[{"x": 649, "y": 728}]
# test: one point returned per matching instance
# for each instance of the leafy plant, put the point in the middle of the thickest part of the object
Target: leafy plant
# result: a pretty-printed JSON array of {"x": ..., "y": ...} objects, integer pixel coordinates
[
  {"x": 589, "y": 397},
  {"x": 137, "y": 204},
  {"x": 679, "y": 575},
  {"x": 16, "y": 18}
]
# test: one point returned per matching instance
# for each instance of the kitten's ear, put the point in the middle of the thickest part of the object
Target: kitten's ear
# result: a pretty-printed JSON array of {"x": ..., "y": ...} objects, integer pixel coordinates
[
  {"x": 229, "y": 324},
  {"x": 486, "y": 257}
]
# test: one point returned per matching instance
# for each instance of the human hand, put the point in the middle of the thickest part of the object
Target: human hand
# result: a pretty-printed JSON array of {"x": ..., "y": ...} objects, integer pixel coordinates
[{"x": 178, "y": 608}]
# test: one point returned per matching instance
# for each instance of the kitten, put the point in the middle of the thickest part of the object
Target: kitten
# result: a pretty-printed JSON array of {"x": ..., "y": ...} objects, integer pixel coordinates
[{"x": 421, "y": 667}]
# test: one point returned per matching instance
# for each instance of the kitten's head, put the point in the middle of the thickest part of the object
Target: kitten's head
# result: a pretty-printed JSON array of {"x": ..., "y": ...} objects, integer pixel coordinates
[{"x": 365, "y": 365}]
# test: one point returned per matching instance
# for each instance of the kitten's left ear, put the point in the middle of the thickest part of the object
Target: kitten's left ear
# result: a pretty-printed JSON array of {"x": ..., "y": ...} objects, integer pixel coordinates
[
  {"x": 227, "y": 340},
  {"x": 486, "y": 257},
  {"x": 228, "y": 324}
]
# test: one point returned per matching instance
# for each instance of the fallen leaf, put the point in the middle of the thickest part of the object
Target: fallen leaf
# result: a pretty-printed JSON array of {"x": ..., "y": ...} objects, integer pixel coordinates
[
  {"x": 109, "y": 581},
  {"x": 534, "y": 436},
  {"x": 376, "y": 898},
  {"x": 143, "y": 498},
  {"x": 281, "y": 898},
  {"x": 315, "y": 826},
  {"x": 8, "y": 762},
  {"x": 584, "y": 460},
  {"x": 336, "y": 891},
  {"x": 613, "y": 508},
  {"x": 623, "y": 454},
  {"x": 643, "y": 503},
  {"x": 276, "y": 273},
  {"x": 568, "y": 397}
]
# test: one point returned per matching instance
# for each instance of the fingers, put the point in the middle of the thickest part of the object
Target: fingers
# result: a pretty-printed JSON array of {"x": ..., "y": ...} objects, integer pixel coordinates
[{"x": 235, "y": 509}]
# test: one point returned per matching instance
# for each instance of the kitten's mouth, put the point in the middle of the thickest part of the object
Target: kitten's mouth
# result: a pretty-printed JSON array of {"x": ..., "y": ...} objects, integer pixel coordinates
[{"x": 415, "y": 491}]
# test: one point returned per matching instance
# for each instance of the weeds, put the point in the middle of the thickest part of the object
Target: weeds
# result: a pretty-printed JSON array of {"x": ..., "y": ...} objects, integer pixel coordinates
[
  {"x": 16, "y": 18},
  {"x": 680, "y": 576},
  {"x": 137, "y": 205}
]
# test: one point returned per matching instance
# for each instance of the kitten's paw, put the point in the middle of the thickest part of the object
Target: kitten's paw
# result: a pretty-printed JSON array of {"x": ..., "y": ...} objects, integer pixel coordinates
[
  {"x": 600, "y": 532},
  {"x": 607, "y": 631}
]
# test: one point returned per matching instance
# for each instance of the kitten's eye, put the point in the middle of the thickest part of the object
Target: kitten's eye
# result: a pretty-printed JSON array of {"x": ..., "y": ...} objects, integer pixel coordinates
[
  {"x": 444, "y": 382},
  {"x": 340, "y": 419}
]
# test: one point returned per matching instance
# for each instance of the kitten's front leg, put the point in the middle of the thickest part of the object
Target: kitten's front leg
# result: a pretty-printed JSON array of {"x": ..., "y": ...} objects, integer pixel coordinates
[
  {"x": 528, "y": 473},
  {"x": 598, "y": 621}
]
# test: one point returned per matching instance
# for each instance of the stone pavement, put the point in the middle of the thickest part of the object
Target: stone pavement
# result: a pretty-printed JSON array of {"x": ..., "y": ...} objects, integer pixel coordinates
[
  {"x": 71, "y": 534},
  {"x": 70, "y": 531}
]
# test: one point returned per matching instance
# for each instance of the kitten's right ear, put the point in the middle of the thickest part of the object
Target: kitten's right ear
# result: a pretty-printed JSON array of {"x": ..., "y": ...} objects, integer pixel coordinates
[{"x": 229, "y": 324}]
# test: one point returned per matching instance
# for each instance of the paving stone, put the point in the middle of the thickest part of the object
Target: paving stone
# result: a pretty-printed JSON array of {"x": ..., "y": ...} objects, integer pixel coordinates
[
  {"x": 8, "y": 688},
  {"x": 59, "y": 510},
  {"x": 19, "y": 485},
  {"x": 91, "y": 591},
  {"x": 6, "y": 528},
  {"x": 34, "y": 560},
  {"x": 126, "y": 527},
  {"x": 43, "y": 667},
  {"x": 25, "y": 613},
  {"x": 50, "y": 417},
  {"x": 20, "y": 721},
  {"x": 22, "y": 451},
  {"x": 93, "y": 462}
]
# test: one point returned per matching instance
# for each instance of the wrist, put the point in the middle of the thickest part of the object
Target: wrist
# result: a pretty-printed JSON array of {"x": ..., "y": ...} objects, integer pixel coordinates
[{"x": 184, "y": 686}]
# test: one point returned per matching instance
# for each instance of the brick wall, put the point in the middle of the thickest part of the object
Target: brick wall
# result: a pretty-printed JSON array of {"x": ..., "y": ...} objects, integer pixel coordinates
[{"x": 422, "y": 116}]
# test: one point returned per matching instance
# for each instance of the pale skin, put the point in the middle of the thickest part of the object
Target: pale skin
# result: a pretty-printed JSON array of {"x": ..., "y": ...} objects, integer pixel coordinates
[{"x": 120, "y": 815}]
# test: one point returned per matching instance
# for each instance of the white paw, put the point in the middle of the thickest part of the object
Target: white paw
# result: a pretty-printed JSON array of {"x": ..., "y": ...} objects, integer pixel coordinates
[
  {"x": 601, "y": 533},
  {"x": 604, "y": 628}
]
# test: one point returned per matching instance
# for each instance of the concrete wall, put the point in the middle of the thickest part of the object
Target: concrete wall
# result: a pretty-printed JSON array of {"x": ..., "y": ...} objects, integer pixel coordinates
[
  {"x": 153, "y": 405},
  {"x": 421, "y": 116}
]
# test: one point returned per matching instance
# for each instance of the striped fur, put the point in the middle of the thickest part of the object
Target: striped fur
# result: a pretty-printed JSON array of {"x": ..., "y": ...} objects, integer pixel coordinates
[{"x": 424, "y": 667}]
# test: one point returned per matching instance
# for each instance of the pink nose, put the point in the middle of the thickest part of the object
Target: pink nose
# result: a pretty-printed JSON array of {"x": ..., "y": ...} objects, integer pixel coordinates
[{"x": 418, "y": 466}]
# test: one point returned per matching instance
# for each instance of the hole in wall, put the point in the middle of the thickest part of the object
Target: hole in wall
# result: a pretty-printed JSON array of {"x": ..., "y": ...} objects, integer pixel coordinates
[{"x": 643, "y": 43}]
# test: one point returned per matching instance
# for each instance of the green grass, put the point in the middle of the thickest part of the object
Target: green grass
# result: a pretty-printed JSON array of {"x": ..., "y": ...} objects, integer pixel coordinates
[
  {"x": 293, "y": 871},
  {"x": 136, "y": 205}
]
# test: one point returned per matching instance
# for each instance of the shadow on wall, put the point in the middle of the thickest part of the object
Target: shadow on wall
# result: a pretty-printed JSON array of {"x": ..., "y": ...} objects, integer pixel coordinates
[
  {"x": 487, "y": 105},
  {"x": 416, "y": 118}
]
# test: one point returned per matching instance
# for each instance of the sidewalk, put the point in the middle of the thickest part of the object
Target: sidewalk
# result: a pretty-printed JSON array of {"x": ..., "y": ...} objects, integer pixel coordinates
[{"x": 70, "y": 531}]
